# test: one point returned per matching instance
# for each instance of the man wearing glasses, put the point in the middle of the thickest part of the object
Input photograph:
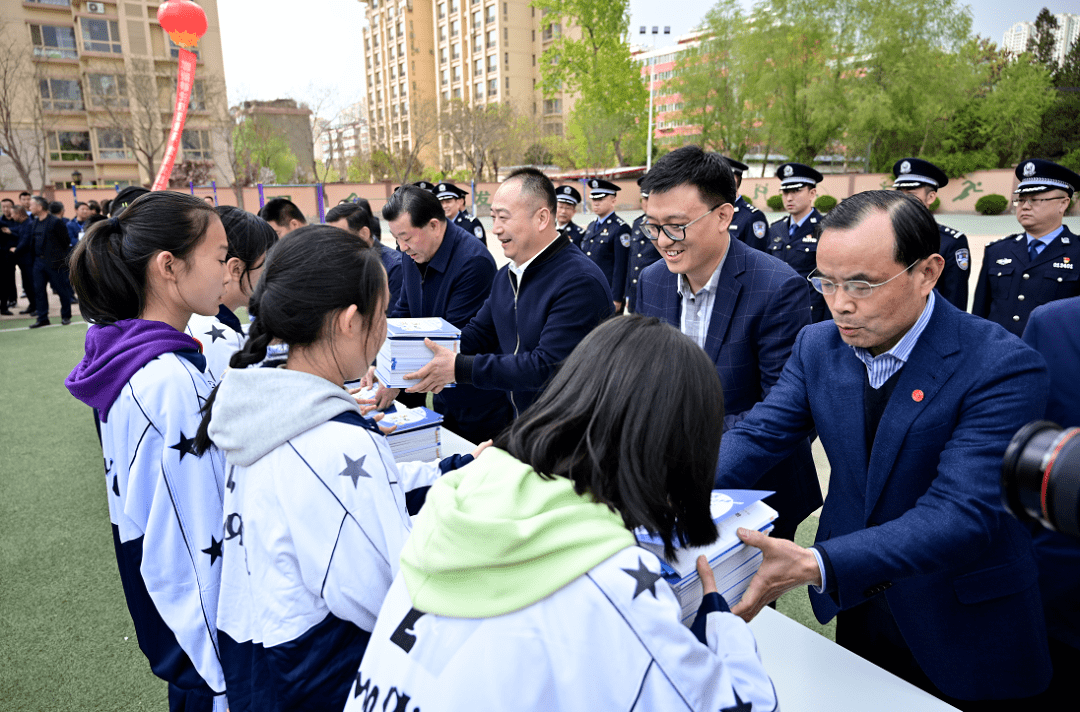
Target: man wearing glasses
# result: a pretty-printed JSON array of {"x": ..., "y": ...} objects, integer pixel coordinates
[
  {"x": 794, "y": 239},
  {"x": 1039, "y": 265},
  {"x": 915, "y": 402},
  {"x": 741, "y": 306}
]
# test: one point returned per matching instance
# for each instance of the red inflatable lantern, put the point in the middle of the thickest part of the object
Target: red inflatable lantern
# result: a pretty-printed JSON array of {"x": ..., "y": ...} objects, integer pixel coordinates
[{"x": 186, "y": 23}]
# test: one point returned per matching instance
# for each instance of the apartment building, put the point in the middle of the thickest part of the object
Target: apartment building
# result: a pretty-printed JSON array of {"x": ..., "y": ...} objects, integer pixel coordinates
[
  {"x": 472, "y": 51},
  {"x": 100, "y": 85},
  {"x": 339, "y": 140},
  {"x": 1016, "y": 38}
]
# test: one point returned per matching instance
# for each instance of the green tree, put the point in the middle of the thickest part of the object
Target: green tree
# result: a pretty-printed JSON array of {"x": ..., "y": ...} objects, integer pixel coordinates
[
  {"x": 1059, "y": 137},
  {"x": 594, "y": 60},
  {"x": 261, "y": 150},
  {"x": 1041, "y": 43}
]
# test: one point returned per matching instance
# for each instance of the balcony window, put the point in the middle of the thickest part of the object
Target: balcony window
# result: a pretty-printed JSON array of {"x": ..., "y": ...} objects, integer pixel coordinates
[
  {"x": 476, "y": 19},
  {"x": 59, "y": 3},
  {"x": 53, "y": 42},
  {"x": 492, "y": 37},
  {"x": 493, "y": 63},
  {"x": 493, "y": 87},
  {"x": 401, "y": 49},
  {"x": 442, "y": 10},
  {"x": 455, "y": 28},
  {"x": 453, "y": 6},
  {"x": 478, "y": 66},
  {"x": 444, "y": 77},
  {"x": 101, "y": 35},
  {"x": 114, "y": 144},
  {"x": 477, "y": 45},
  {"x": 442, "y": 56},
  {"x": 478, "y": 91},
  {"x": 456, "y": 74},
  {"x": 107, "y": 90},
  {"x": 455, "y": 51},
  {"x": 490, "y": 10},
  {"x": 61, "y": 95},
  {"x": 70, "y": 146},
  {"x": 552, "y": 106},
  {"x": 198, "y": 96},
  {"x": 196, "y": 145},
  {"x": 457, "y": 92}
]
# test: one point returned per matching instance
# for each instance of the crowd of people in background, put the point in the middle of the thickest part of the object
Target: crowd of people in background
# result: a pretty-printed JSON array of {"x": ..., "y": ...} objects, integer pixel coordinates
[{"x": 261, "y": 523}]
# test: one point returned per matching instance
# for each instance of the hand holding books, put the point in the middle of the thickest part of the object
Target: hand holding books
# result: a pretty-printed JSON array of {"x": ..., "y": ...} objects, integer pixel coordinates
[
  {"x": 437, "y": 374},
  {"x": 785, "y": 565}
]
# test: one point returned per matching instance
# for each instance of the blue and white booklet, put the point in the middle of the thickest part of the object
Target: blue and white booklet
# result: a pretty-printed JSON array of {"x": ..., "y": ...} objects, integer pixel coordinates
[
  {"x": 418, "y": 436},
  {"x": 733, "y": 563},
  {"x": 404, "y": 350}
]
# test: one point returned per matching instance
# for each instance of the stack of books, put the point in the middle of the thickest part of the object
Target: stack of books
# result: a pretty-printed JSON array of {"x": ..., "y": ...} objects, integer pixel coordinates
[
  {"x": 404, "y": 350},
  {"x": 733, "y": 563},
  {"x": 418, "y": 436}
]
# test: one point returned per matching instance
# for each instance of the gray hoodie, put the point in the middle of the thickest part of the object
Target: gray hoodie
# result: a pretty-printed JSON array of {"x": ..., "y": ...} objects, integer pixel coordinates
[{"x": 259, "y": 409}]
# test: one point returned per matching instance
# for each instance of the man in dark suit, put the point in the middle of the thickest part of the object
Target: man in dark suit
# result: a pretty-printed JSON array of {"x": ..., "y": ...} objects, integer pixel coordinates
[
  {"x": 743, "y": 307},
  {"x": 794, "y": 239},
  {"x": 915, "y": 402},
  {"x": 922, "y": 179},
  {"x": 51, "y": 245},
  {"x": 749, "y": 224},
  {"x": 1039, "y": 265}
]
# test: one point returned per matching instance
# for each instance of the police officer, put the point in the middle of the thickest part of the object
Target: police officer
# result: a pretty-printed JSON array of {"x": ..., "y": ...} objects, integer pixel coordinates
[
  {"x": 566, "y": 201},
  {"x": 453, "y": 203},
  {"x": 643, "y": 251},
  {"x": 1039, "y": 265},
  {"x": 794, "y": 239},
  {"x": 429, "y": 187},
  {"x": 922, "y": 179},
  {"x": 749, "y": 224},
  {"x": 607, "y": 238}
]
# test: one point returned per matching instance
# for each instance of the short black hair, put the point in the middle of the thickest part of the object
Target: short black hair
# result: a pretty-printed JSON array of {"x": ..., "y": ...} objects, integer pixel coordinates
[
  {"x": 354, "y": 215},
  {"x": 916, "y": 231},
  {"x": 690, "y": 165},
  {"x": 422, "y": 206},
  {"x": 56, "y": 207},
  {"x": 108, "y": 266},
  {"x": 536, "y": 185},
  {"x": 280, "y": 211},
  {"x": 41, "y": 201},
  {"x": 250, "y": 237},
  {"x": 23, "y": 193},
  {"x": 7, "y": 200},
  {"x": 80, "y": 203},
  {"x": 94, "y": 205},
  {"x": 638, "y": 435}
]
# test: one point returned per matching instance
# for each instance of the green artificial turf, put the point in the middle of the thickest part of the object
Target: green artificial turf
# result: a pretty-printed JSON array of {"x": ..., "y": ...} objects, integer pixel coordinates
[{"x": 67, "y": 641}]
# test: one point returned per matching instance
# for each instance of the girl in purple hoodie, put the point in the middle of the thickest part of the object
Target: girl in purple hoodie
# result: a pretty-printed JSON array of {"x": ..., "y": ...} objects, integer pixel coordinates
[{"x": 140, "y": 276}]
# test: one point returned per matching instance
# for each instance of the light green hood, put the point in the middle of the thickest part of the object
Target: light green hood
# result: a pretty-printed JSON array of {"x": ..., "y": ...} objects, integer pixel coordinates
[{"x": 495, "y": 537}]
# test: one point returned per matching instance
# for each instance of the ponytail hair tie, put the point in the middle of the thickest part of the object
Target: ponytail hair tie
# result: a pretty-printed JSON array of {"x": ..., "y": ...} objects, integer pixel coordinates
[{"x": 114, "y": 225}]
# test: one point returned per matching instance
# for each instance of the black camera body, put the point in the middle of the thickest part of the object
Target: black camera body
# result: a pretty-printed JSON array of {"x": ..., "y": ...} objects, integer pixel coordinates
[{"x": 1040, "y": 476}]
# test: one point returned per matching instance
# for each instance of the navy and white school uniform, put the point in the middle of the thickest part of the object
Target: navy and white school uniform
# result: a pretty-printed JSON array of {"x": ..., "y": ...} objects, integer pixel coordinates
[
  {"x": 221, "y": 336},
  {"x": 165, "y": 504},
  {"x": 315, "y": 519}
]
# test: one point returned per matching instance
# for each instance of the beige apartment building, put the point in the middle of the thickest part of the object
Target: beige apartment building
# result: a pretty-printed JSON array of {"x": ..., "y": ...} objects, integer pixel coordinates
[
  {"x": 92, "y": 85},
  {"x": 474, "y": 51}
]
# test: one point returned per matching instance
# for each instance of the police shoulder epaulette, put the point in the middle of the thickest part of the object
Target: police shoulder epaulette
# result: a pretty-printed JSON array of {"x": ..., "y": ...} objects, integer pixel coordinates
[{"x": 1003, "y": 239}]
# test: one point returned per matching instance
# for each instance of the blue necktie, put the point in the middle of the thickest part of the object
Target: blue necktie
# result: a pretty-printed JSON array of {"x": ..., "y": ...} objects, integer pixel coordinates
[
  {"x": 1034, "y": 248},
  {"x": 792, "y": 228}
]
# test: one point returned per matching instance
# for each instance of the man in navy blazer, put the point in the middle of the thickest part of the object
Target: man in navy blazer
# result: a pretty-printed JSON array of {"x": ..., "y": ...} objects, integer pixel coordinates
[
  {"x": 915, "y": 403},
  {"x": 742, "y": 306}
]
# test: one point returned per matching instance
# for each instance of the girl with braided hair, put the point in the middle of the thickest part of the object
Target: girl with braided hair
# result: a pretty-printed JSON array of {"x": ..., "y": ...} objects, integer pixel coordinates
[
  {"x": 250, "y": 238},
  {"x": 316, "y": 510},
  {"x": 140, "y": 277}
]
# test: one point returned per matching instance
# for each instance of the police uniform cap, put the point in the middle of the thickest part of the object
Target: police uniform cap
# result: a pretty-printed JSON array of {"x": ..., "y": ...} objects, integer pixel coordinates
[
  {"x": 737, "y": 167},
  {"x": 795, "y": 175},
  {"x": 567, "y": 194},
  {"x": 916, "y": 173},
  {"x": 599, "y": 187},
  {"x": 447, "y": 191},
  {"x": 644, "y": 193},
  {"x": 429, "y": 187},
  {"x": 124, "y": 198},
  {"x": 1037, "y": 175}
]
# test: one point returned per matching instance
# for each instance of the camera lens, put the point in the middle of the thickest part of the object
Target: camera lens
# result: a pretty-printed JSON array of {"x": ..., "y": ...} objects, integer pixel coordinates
[{"x": 1040, "y": 476}]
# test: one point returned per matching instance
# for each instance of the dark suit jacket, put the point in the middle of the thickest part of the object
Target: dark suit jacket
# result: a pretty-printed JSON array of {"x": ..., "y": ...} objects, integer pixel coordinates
[
  {"x": 920, "y": 517},
  {"x": 760, "y": 306},
  {"x": 55, "y": 245}
]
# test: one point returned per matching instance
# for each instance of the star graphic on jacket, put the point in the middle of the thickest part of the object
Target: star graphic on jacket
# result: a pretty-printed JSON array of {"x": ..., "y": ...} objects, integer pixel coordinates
[
  {"x": 115, "y": 486},
  {"x": 214, "y": 550},
  {"x": 186, "y": 446},
  {"x": 354, "y": 469},
  {"x": 644, "y": 579},
  {"x": 739, "y": 705},
  {"x": 215, "y": 333}
]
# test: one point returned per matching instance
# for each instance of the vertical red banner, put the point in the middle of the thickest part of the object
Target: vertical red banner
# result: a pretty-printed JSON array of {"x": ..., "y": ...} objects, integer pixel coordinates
[{"x": 185, "y": 80}]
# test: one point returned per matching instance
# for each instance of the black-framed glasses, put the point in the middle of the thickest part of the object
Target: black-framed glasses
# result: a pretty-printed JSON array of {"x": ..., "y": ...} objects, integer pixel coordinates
[
  {"x": 1023, "y": 201},
  {"x": 857, "y": 288},
  {"x": 674, "y": 232}
]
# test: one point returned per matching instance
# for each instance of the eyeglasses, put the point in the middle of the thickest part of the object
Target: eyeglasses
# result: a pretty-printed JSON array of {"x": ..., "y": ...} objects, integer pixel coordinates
[
  {"x": 857, "y": 288},
  {"x": 1024, "y": 201},
  {"x": 677, "y": 233}
]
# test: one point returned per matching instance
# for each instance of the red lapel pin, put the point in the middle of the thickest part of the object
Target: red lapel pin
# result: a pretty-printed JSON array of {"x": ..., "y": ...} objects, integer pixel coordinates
[{"x": 917, "y": 395}]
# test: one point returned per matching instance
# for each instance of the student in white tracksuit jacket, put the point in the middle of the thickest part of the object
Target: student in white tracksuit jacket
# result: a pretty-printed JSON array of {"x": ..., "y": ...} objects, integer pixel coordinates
[
  {"x": 315, "y": 507},
  {"x": 140, "y": 277},
  {"x": 222, "y": 335},
  {"x": 521, "y": 586}
]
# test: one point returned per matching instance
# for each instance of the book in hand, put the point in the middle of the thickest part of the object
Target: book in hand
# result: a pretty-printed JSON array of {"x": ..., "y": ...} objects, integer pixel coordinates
[
  {"x": 404, "y": 350},
  {"x": 418, "y": 436},
  {"x": 733, "y": 562}
]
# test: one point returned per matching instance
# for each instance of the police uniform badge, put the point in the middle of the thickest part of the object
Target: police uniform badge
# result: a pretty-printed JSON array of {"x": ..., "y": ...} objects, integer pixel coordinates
[
  {"x": 788, "y": 170},
  {"x": 1029, "y": 170},
  {"x": 625, "y": 239},
  {"x": 963, "y": 258},
  {"x": 478, "y": 231},
  {"x": 759, "y": 229},
  {"x": 593, "y": 184},
  {"x": 905, "y": 167}
]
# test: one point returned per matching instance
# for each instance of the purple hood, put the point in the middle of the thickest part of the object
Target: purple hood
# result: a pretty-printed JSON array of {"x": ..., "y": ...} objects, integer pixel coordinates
[{"x": 115, "y": 352}]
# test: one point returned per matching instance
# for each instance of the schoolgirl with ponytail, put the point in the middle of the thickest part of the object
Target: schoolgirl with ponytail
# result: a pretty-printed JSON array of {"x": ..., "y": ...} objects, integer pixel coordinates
[
  {"x": 140, "y": 277},
  {"x": 221, "y": 335},
  {"x": 315, "y": 507}
]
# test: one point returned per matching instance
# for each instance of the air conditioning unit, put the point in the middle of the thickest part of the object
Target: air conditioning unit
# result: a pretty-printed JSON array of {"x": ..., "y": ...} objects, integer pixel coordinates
[{"x": 96, "y": 8}]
